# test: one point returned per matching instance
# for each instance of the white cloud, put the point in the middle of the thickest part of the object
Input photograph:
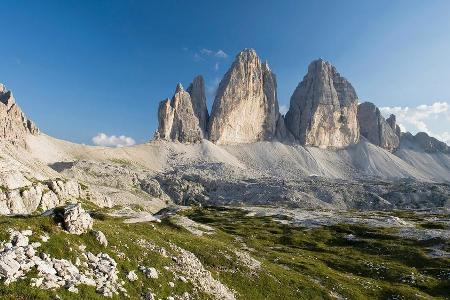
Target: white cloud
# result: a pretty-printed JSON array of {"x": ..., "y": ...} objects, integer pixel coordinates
[
  {"x": 102, "y": 139},
  {"x": 208, "y": 52},
  {"x": 216, "y": 66},
  {"x": 284, "y": 109},
  {"x": 423, "y": 118},
  {"x": 221, "y": 54}
]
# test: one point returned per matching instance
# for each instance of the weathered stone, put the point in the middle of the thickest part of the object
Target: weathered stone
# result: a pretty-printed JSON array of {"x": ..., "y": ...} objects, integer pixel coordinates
[
  {"x": 374, "y": 127},
  {"x": 245, "y": 109},
  {"x": 177, "y": 119},
  {"x": 392, "y": 121},
  {"x": 197, "y": 92},
  {"x": 76, "y": 220},
  {"x": 101, "y": 238},
  {"x": 323, "y": 108},
  {"x": 131, "y": 276},
  {"x": 14, "y": 126},
  {"x": 9, "y": 267}
]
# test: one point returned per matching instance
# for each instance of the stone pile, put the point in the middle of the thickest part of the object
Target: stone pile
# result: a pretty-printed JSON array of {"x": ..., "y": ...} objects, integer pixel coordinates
[{"x": 18, "y": 257}]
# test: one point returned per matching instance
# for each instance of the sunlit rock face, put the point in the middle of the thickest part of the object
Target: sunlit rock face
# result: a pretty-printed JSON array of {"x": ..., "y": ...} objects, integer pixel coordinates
[
  {"x": 14, "y": 125},
  {"x": 177, "y": 119},
  {"x": 323, "y": 108},
  {"x": 375, "y": 128},
  {"x": 246, "y": 109}
]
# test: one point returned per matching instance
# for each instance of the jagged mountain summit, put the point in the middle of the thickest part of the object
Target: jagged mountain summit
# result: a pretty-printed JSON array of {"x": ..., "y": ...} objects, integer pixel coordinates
[
  {"x": 14, "y": 124},
  {"x": 245, "y": 109},
  {"x": 323, "y": 109},
  {"x": 179, "y": 117}
]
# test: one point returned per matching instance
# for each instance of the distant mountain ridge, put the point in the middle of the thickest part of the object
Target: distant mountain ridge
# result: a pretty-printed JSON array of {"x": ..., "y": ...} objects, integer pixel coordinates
[{"x": 324, "y": 112}]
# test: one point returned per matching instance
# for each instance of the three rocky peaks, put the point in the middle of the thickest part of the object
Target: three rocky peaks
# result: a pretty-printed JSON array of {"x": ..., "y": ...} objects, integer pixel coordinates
[{"x": 323, "y": 112}]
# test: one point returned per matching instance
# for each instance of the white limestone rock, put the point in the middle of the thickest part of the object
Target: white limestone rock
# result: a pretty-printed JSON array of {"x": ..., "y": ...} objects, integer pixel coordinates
[
  {"x": 323, "y": 108},
  {"x": 177, "y": 119},
  {"x": 14, "y": 126},
  {"x": 245, "y": 109},
  {"x": 132, "y": 276},
  {"x": 76, "y": 220},
  {"x": 101, "y": 238}
]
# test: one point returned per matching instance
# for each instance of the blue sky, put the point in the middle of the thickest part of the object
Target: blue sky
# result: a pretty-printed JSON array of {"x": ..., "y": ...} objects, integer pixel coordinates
[{"x": 79, "y": 68}]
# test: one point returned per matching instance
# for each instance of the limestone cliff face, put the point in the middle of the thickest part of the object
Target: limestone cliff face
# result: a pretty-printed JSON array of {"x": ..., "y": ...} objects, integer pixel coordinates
[
  {"x": 323, "y": 108},
  {"x": 245, "y": 109},
  {"x": 177, "y": 119},
  {"x": 197, "y": 92},
  {"x": 14, "y": 125},
  {"x": 392, "y": 121},
  {"x": 374, "y": 127}
]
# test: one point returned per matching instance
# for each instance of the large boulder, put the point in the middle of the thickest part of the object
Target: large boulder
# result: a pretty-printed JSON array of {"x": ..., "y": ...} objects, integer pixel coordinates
[
  {"x": 177, "y": 119},
  {"x": 245, "y": 109},
  {"x": 14, "y": 126},
  {"x": 323, "y": 108},
  {"x": 76, "y": 220},
  {"x": 375, "y": 128}
]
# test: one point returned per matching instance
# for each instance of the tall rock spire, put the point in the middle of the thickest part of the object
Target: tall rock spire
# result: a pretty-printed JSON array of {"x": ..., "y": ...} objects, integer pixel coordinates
[
  {"x": 197, "y": 92},
  {"x": 246, "y": 107},
  {"x": 323, "y": 108},
  {"x": 177, "y": 119},
  {"x": 374, "y": 127}
]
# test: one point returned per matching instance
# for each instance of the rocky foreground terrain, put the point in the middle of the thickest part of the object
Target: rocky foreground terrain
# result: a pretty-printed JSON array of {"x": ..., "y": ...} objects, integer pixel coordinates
[{"x": 330, "y": 201}]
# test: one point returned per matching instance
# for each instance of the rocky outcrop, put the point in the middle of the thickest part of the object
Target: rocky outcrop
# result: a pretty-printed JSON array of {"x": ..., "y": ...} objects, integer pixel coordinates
[
  {"x": 178, "y": 120},
  {"x": 423, "y": 142},
  {"x": 76, "y": 220},
  {"x": 245, "y": 109},
  {"x": 14, "y": 125},
  {"x": 45, "y": 195},
  {"x": 392, "y": 121},
  {"x": 374, "y": 127},
  {"x": 323, "y": 108},
  {"x": 197, "y": 92}
]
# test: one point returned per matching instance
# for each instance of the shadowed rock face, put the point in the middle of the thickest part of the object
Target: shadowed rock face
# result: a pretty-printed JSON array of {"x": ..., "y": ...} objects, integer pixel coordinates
[
  {"x": 13, "y": 123},
  {"x": 323, "y": 108},
  {"x": 424, "y": 142},
  {"x": 392, "y": 121},
  {"x": 197, "y": 92},
  {"x": 375, "y": 128},
  {"x": 177, "y": 119},
  {"x": 246, "y": 106}
]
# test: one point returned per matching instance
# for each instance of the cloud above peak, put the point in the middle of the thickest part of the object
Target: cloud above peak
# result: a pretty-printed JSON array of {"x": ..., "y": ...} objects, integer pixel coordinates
[
  {"x": 433, "y": 119},
  {"x": 211, "y": 53},
  {"x": 104, "y": 140}
]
